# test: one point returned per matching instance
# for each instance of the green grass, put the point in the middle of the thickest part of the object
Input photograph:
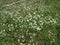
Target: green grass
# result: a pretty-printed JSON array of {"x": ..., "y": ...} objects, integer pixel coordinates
[{"x": 30, "y": 22}]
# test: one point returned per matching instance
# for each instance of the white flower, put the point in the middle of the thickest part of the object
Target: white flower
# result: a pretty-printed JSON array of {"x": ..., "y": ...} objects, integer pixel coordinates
[
  {"x": 14, "y": 19},
  {"x": 3, "y": 24},
  {"x": 42, "y": 15},
  {"x": 18, "y": 40},
  {"x": 30, "y": 19},
  {"x": 30, "y": 36},
  {"x": 21, "y": 43},
  {"x": 38, "y": 28},
  {"x": 34, "y": 12},
  {"x": 9, "y": 29},
  {"x": 30, "y": 23},
  {"x": 18, "y": 18},
  {"x": 29, "y": 8},
  {"x": 29, "y": 13},
  {"x": 4, "y": 30},
  {"x": 34, "y": 21},
  {"x": 38, "y": 16},
  {"x": 27, "y": 20},
  {"x": 54, "y": 20},
  {"x": 11, "y": 24},
  {"x": 28, "y": 44},
  {"x": 51, "y": 21},
  {"x": 16, "y": 30},
  {"x": 34, "y": 34},
  {"x": 53, "y": 40},
  {"x": 22, "y": 36},
  {"x": 8, "y": 25},
  {"x": 15, "y": 25}
]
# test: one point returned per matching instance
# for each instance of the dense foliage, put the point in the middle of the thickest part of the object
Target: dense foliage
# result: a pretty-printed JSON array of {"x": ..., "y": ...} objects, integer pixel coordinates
[{"x": 29, "y": 22}]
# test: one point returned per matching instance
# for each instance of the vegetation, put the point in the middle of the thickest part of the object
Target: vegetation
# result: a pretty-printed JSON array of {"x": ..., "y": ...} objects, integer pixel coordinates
[{"x": 29, "y": 22}]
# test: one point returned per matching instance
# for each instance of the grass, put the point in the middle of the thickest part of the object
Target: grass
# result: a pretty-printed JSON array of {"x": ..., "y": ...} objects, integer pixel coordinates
[{"x": 30, "y": 22}]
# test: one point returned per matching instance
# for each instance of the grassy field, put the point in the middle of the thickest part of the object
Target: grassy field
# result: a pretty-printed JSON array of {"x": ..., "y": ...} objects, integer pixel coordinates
[{"x": 29, "y": 22}]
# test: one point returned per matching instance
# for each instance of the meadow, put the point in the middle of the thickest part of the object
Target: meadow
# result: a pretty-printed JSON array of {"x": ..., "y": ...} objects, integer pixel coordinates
[{"x": 29, "y": 22}]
